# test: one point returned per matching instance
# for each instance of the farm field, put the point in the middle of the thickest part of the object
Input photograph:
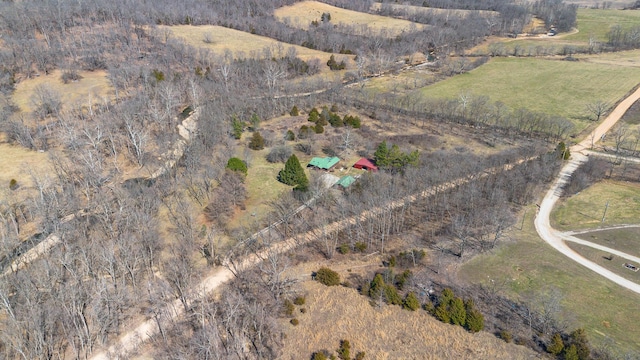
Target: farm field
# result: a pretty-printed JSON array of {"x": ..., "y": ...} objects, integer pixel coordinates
[
  {"x": 245, "y": 45},
  {"x": 427, "y": 10},
  {"x": 93, "y": 88},
  {"x": 337, "y": 313},
  {"x": 528, "y": 266},
  {"x": 554, "y": 87},
  {"x": 585, "y": 210},
  {"x": 598, "y": 23},
  {"x": 301, "y": 15},
  {"x": 601, "y": 258},
  {"x": 626, "y": 240}
]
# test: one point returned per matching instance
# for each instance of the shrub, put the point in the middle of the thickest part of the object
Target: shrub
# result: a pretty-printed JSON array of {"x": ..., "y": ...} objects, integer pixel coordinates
[
  {"x": 235, "y": 164},
  {"x": 305, "y": 132},
  {"x": 303, "y": 310},
  {"x": 13, "y": 184},
  {"x": 360, "y": 355},
  {"x": 299, "y": 300},
  {"x": 288, "y": 307},
  {"x": 391, "y": 295},
  {"x": 360, "y": 246},
  {"x": 506, "y": 336},
  {"x": 327, "y": 277},
  {"x": 294, "y": 111},
  {"x": 343, "y": 249},
  {"x": 314, "y": 115},
  {"x": 320, "y": 355},
  {"x": 70, "y": 75},
  {"x": 157, "y": 74},
  {"x": 344, "y": 351},
  {"x": 401, "y": 279},
  {"x": 392, "y": 261},
  {"x": 257, "y": 141},
  {"x": 411, "y": 302},
  {"x": 556, "y": 345},
  {"x": 237, "y": 127},
  {"x": 305, "y": 148},
  {"x": 319, "y": 129},
  {"x": 290, "y": 136},
  {"x": 279, "y": 154},
  {"x": 294, "y": 322}
]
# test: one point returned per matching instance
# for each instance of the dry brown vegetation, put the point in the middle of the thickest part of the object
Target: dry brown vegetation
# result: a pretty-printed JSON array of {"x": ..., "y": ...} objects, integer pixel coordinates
[{"x": 389, "y": 332}]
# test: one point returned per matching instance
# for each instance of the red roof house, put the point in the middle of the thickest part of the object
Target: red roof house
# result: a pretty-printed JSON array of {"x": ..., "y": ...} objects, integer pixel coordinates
[{"x": 365, "y": 165}]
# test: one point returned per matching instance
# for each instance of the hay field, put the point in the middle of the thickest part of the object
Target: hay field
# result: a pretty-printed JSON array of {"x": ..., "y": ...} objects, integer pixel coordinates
[
  {"x": 93, "y": 88},
  {"x": 427, "y": 10},
  {"x": 528, "y": 265},
  {"x": 585, "y": 209},
  {"x": 16, "y": 162},
  {"x": 337, "y": 313},
  {"x": 242, "y": 44},
  {"x": 301, "y": 15},
  {"x": 549, "y": 86}
]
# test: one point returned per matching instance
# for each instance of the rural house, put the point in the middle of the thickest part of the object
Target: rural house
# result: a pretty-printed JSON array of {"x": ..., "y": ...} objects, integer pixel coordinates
[
  {"x": 327, "y": 163},
  {"x": 365, "y": 164}
]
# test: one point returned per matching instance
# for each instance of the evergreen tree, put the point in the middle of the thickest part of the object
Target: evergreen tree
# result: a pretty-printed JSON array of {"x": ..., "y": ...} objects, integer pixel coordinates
[
  {"x": 344, "y": 351},
  {"x": 442, "y": 313},
  {"x": 475, "y": 319},
  {"x": 327, "y": 277},
  {"x": 293, "y": 173},
  {"x": 556, "y": 346},
  {"x": 319, "y": 129},
  {"x": 376, "y": 287},
  {"x": 314, "y": 115},
  {"x": 571, "y": 353},
  {"x": 381, "y": 155},
  {"x": 294, "y": 111},
  {"x": 411, "y": 302},
  {"x": 237, "y": 127},
  {"x": 578, "y": 338},
  {"x": 458, "y": 313},
  {"x": 235, "y": 164},
  {"x": 391, "y": 295},
  {"x": 290, "y": 136},
  {"x": 257, "y": 141}
]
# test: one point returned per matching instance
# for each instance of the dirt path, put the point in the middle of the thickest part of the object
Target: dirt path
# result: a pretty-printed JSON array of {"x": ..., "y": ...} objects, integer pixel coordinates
[
  {"x": 143, "y": 331},
  {"x": 542, "y": 223}
]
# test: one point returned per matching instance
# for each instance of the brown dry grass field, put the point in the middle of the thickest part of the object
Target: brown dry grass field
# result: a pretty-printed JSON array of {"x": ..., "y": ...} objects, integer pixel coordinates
[
  {"x": 421, "y": 9},
  {"x": 245, "y": 45},
  {"x": 301, "y": 15},
  {"x": 16, "y": 162},
  {"x": 93, "y": 88},
  {"x": 389, "y": 332}
]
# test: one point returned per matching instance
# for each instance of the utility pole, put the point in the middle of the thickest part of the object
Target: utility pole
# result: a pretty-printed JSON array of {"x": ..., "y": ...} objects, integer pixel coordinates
[{"x": 606, "y": 206}]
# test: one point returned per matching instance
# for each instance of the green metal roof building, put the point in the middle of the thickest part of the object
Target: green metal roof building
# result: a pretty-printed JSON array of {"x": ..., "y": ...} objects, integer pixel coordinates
[
  {"x": 324, "y": 163},
  {"x": 346, "y": 181}
]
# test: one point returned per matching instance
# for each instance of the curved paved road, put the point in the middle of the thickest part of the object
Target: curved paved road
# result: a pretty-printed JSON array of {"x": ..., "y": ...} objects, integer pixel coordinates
[{"x": 542, "y": 223}]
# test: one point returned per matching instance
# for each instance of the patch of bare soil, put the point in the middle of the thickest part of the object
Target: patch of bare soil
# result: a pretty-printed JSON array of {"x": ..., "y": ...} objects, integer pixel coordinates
[{"x": 337, "y": 313}]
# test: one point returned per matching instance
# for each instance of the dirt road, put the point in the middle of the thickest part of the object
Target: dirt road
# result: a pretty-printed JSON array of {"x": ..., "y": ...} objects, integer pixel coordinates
[{"x": 542, "y": 223}]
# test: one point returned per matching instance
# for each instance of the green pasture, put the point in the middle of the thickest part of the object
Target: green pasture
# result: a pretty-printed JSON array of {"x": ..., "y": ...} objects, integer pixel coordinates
[
  {"x": 586, "y": 209},
  {"x": 601, "y": 258},
  {"x": 598, "y": 23},
  {"x": 555, "y": 87},
  {"x": 527, "y": 265},
  {"x": 626, "y": 240}
]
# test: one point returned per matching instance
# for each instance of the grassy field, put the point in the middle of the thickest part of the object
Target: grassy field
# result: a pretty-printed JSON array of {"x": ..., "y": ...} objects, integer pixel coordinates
[
  {"x": 245, "y": 45},
  {"x": 301, "y": 15},
  {"x": 585, "y": 210},
  {"x": 620, "y": 58},
  {"x": 600, "y": 257},
  {"x": 16, "y": 162},
  {"x": 626, "y": 239},
  {"x": 428, "y": 10},
  {"x": 528, "y": 265},
  {"x": 337, "y": 313},
  {"x": 554, "y": 87},
  {"x": 598, "y": 23},
  {"x": 93, "y": 88}
]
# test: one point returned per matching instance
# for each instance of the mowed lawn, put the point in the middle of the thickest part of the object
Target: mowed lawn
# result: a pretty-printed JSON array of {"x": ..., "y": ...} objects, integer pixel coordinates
[
  {"x": 301, "y": 15},
  {"x": 527, "y": 265},
  {"x": 598, "y": 23},
  {"x": 554, "y": 87},
  {"x": 244, "y": 45},
  {"x": 585, "y": 209},
  {"x": 626, "y": 240},
  {"x": 94, "y": 87}
]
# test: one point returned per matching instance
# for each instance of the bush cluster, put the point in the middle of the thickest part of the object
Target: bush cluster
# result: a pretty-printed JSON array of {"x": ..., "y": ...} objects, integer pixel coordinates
[
  {"x": 327, "y": 277},
  {"x": 453, "y": 310}
]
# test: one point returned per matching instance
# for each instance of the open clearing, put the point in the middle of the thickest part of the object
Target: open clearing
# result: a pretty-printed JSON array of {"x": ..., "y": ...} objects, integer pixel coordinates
[
  {"x": 338, "y": 313},
  {"x": 244, "y": 45},
  {"x": 600, "y": 257},
  {"x": 619, "y": 58},
  {"x": 16, "y": 162},
  {"x": 585, "y": 209},
  {"x": 554, "y": 87},
  {"x": 410, "y": 9},
  {"x": 598, "y": 23},
  {"x": 626, "y": 240},
  {"x": 94, "y": 87},
  {"x": 528, "y": 266},
  {"x": 301, "y": 15}
]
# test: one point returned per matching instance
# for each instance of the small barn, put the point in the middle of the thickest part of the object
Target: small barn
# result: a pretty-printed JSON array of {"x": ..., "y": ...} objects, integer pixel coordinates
[
  {"x": 365, "y": 164},
  {"x": 346, "y": 181},
  {"x": 324, "y": 163}
]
